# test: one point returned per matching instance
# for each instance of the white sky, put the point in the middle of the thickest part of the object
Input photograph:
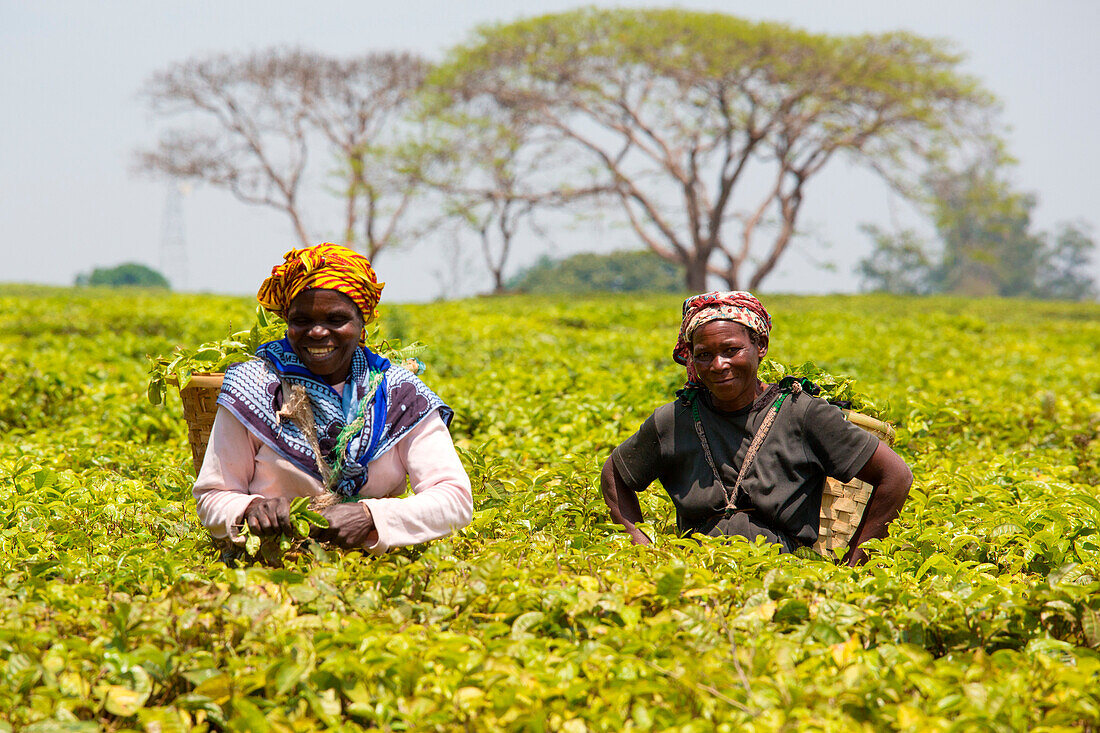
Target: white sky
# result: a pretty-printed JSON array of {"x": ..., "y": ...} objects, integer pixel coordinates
[{"x": 70, "y": 119}]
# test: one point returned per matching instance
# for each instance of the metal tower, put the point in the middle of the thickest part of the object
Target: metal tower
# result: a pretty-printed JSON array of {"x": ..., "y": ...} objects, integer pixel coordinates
[{"x": 173, "y": 237}]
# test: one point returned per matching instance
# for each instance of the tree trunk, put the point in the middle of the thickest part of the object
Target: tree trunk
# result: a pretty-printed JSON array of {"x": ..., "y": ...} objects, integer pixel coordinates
[
  {"x": 695, "y": 274},
  {"x": 732, "y": 278}
]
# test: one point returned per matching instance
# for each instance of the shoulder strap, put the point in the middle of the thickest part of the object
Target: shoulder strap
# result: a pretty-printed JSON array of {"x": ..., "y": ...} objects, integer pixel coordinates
[{"x": 787, "y": 386}]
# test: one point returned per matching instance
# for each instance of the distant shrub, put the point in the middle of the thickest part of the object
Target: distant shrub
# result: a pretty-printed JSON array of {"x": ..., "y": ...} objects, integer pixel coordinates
[
  {"x": 126, "y": 275},
  {"x": 616, "y": 272}
]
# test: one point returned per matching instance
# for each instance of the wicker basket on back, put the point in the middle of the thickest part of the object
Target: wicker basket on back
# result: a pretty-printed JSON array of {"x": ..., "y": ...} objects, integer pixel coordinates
[
  {"x": 200, "y": 403},
  {"x": 842, "y": 505}
]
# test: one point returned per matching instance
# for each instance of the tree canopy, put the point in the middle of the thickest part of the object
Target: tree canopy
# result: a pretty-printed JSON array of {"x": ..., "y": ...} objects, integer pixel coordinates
[
  {"x": 616, "y": 272},
  {"x": 128, "y": 274},
  {"x": 989, "y": 246},
  {"x": 705, "y": 128},
  {"x": 987, "y": 243},
  {"x": 898, "y": 263}
]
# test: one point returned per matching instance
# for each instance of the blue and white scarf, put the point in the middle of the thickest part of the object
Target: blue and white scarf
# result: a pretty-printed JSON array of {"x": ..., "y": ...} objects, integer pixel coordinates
[{"x": 253, "y": 392}]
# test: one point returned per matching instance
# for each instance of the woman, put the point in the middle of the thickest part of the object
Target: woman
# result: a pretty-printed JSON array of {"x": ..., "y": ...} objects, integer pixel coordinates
[
  {"x": 739, "y": 457},
  {"x": 319, "y": 413}
]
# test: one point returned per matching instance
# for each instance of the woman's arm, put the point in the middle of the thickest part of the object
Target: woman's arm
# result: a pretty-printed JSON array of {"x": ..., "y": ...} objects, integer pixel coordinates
[
  {"x": 442, "y": 500},
  {"x": 891, "y": 478},
  {"x": 622, "y": 502},
  {"x": 221, "y": 489}
]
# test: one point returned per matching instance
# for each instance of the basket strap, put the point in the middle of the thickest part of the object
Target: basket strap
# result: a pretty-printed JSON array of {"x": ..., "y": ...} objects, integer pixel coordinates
[
  {"x": 297, "y": 410},
  {"x": 790, "y": 387},
  {"x": 730, "y": 498}
]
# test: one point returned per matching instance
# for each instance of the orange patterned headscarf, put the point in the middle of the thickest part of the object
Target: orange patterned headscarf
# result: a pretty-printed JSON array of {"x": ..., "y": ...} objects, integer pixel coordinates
[{"x": 329, "y": 267}]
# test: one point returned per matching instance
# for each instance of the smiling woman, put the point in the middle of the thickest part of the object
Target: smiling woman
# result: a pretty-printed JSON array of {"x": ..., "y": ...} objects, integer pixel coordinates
[
  {"x": 727, "y": 356},
  {"x": 740, "y": 457},
  {"x": 323, "y": 327},
  {"x": 317, "y": 414}
]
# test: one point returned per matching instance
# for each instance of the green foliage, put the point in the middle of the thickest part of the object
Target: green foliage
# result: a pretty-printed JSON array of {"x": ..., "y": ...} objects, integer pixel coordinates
[
  {"x": 899, "y": 263},
  {"x": 126, "y": 275},
  {"x": 616, "y": 272},
  {"x": 980, "y": 612},
  {"x": 1065, "y": 274},
  {"x": 274, "y": 549},
  {"x": 987, "y": 245},
  {"x": 834, "y": 388}
]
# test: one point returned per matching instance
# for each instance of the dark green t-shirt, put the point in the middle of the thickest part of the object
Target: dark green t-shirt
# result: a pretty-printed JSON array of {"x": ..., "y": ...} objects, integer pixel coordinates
[{"x": 809, "y": 440}]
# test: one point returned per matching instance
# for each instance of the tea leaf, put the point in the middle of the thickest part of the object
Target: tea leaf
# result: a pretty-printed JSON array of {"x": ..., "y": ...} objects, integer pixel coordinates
[{"x": 541, "y": 614}]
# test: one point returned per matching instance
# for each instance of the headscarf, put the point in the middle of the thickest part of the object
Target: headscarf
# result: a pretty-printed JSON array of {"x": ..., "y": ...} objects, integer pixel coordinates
[
  {"x": 327, "y": 266},
  {"x": 738, "y": 306}
]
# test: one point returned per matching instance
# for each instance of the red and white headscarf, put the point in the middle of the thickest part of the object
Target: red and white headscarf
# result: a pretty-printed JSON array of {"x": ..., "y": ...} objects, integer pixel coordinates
[{"x": 738, "y": 306}]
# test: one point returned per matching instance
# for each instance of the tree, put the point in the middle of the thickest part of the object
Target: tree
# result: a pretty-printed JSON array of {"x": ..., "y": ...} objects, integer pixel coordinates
[
  {"x": 1065, "y": 275},
  {"x": 126, "y": 275},
  {"x": 252, "y": 120},
  {"x": 987, "y": 243},
  {"x": 899, "y": 263},
  {"x": 488, "y": 171},
  {"x": 494, "y": 169},
  {"x": 986, "y": 232},
  {"x": 358, "y": 104},
  {"x": 616, "y": 272},
  {"x": 670, "y": 109}
]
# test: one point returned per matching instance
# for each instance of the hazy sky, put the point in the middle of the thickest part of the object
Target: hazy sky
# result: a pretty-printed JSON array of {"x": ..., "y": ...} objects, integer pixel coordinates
[{"x": 71, "y": 120}]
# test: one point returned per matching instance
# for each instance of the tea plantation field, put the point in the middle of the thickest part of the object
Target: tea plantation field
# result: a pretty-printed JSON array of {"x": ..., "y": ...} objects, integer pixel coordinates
[{"x": 980, "y": 612}]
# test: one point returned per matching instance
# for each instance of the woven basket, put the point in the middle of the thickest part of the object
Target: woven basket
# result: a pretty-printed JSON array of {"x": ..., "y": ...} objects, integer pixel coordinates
[
  {"x": 842, "y": 505},
  {"x": 200, "y": 403}
]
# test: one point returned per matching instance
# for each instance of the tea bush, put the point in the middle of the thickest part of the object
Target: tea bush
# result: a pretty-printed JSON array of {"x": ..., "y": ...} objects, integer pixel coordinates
[{"x": 981, "y": 611}]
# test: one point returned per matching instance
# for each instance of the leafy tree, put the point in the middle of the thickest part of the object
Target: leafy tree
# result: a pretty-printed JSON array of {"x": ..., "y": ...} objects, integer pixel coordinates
[
  {"x": 985, "y": 227},
  {"x": 987, "y": 242},
  {"x": 1065, "y": 275},
  {"x": 128, "y": 274},
  {"x": 250, "y": 123},
  {"x": 618, "y": 272},
  {"x": 668, "y": 110},
  {"x": 899, "y": 263}
]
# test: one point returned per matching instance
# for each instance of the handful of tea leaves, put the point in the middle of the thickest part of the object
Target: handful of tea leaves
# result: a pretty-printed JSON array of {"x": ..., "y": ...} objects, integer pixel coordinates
[{"x": 302, "y": 519}]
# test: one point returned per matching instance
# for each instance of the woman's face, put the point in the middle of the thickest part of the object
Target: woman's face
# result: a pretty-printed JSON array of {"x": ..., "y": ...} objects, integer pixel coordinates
[
  {"x": 726, "y": 361},
  {"x": 323, "y": 327}
]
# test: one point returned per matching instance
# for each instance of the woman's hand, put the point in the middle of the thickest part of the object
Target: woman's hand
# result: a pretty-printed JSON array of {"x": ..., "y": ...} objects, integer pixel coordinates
[
  {"x": 622, "y": 503},
  {"x": 268, "y": 517},
  {"x": 349, "y": 525},
  {"x": 891, "y": 477}
]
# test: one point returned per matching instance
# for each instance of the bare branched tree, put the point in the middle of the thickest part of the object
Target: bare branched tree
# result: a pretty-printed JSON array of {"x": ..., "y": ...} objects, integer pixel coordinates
[
  {"x": 361, "y": 106},
  {"x": 248, "y": 131},
  {"x": 495, "y": 171},
  {"x": 250, "y": 123}
]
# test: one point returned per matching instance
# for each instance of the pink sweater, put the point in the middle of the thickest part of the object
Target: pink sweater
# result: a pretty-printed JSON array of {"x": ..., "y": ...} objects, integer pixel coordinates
[{"x": 238, "y": 468}]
